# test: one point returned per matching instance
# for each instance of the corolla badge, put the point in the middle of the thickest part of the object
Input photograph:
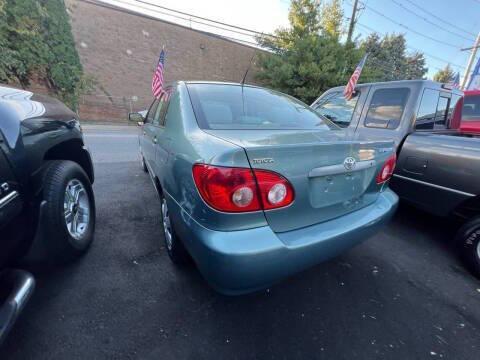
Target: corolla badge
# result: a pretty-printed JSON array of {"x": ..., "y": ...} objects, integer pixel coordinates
[
  {"x": 349, "y": 163},
  {"x": 263, "y": 161}
]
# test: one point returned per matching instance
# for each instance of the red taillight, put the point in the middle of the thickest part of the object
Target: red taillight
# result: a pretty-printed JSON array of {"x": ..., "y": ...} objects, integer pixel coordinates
[
  {"x": 387, "y": 169},
  {"x": 241, "y": 189},
  {"x": 275, "y": 190}
]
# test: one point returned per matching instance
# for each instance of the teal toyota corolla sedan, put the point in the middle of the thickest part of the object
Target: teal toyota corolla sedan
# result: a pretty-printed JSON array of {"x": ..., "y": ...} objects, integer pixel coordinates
[{"x": 255, "y": 186}]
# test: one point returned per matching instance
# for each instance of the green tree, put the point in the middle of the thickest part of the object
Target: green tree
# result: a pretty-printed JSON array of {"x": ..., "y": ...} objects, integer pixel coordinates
[
  {"x": 305, "y": 61},
  {"x": 64, "y": 70},
  {"x": 331, "y": 18},
  {"x": 388, "y": 59},
  {"x": 36, "y": 42},
  {"x": 23, "y": 51},
  {"x": 444, "y": 75},
  {"x": 416, "y": 66},
  {"x": 304, "y": 17}
]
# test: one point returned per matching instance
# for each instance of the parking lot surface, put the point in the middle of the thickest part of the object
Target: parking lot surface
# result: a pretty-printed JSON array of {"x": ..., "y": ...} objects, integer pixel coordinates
[{"x": 403, "y": 294}]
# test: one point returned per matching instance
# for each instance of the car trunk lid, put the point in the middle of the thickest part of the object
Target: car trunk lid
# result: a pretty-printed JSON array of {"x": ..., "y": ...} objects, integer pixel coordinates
[{"x": 331, "y": 175}]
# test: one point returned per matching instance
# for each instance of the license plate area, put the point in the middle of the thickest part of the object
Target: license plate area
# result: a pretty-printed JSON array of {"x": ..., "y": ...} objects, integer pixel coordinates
[{"x": 346, "y": 189}]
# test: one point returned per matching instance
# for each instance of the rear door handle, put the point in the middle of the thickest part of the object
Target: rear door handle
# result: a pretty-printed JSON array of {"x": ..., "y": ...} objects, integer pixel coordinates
[{"x": 155, "y": 140}]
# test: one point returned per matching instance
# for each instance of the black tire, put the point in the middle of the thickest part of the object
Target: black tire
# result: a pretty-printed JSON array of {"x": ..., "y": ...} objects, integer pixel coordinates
[
  {"x": 176, "y": 250},
  {"x": 62, "y": 246},
  {"x": 144, "y": 165},
  {"x": 468, "y": 240}
]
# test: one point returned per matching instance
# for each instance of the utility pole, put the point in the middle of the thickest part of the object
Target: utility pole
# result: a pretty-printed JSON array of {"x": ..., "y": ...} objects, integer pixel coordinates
[
  {"x": 352, "y": 21},
  {"x": 470, "y": 61}
]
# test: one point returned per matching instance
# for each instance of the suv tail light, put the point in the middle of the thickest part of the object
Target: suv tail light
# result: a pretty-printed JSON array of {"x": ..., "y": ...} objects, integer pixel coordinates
[
  {"x": 233, "y": 189},
  {"x": 387, "y": 169}
]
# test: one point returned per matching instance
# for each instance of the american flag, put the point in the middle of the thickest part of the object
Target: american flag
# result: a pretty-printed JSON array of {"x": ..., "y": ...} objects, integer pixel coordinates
[
  {"x": 157, "y": 81},
  {"x": 350, "y": 88},
  {"x": 456, "y": 81}
]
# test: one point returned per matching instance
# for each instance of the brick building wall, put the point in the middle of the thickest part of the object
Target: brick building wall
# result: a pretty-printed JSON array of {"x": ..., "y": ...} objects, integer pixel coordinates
[{"x": 120, "y": 50}]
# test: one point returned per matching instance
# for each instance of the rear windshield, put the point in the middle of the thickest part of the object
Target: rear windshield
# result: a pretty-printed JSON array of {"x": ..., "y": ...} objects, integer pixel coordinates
[
  {"x": 471, "y": 107},
  {"x": 219, "y": 106}
]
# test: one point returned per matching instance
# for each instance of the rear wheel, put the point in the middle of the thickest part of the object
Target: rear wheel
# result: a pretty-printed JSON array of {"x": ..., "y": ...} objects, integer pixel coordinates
[
  {"x": 468, "y": 239},
  {"x": 69, "y": 218},
  {"x": 175, "y": 249}
]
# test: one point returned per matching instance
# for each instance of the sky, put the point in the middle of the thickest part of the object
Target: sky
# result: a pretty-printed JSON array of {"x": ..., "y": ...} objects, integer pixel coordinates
[{"x": 440, "y": 33}]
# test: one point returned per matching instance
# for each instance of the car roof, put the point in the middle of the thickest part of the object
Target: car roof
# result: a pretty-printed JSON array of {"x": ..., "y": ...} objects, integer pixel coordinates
[
  {"x": 423, "y": 83},
  {"x": 206, "y": 82}
]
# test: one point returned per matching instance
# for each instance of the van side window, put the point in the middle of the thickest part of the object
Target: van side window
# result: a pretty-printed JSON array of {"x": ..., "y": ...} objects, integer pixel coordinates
[
  {"x": 427, "y": 110},
  {"x": 337, "y": 109},
  {"x": 386, "y": 108}
]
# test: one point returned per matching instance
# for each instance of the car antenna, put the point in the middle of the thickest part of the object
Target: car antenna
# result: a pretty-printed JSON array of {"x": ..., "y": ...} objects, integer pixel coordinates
[
  {"x": 245, "y": 76},
  {"x": 249, "y": 66}
]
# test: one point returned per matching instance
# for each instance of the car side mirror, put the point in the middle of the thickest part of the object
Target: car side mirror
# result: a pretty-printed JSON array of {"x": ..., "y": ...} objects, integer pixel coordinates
[{"x": 136, "y": 117}]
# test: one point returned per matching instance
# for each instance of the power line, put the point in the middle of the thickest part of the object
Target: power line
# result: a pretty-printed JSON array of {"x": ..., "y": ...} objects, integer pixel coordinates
[
  {"x": 249, "y": 30},
  {"x": 439, "y": 18},
  {"x": 191, "y": 20},
  {"x": 244, "y": 30},
  {"x": 206, "y": 19},
  {"x": 431, "y": 22},
  {"x": 410, "y": 29}
]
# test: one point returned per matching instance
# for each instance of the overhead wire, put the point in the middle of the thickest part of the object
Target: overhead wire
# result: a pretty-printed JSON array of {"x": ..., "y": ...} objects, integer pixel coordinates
[
  {"x": 413, "y": 3},
  {"x": 234, "y": 29},
  {"x": 410, "y": 29},
  {"x": 431, "y": 22}
]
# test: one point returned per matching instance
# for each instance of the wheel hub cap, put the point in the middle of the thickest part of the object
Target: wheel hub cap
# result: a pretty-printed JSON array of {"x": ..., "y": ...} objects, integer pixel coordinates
[{"x": 76, "y": 207}]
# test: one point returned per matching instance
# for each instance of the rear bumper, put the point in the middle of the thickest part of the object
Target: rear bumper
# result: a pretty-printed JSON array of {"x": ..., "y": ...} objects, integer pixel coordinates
[
  {"x": 242, "y": 261},
  {"x": 19, "y": 286}
]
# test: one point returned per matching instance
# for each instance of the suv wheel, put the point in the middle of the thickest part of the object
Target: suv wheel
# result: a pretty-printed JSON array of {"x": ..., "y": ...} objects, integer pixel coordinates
[
  {"x": 69, "y": 219},
  {"x": 468, "y": 239},
  {"x": 175, "y": 249}
]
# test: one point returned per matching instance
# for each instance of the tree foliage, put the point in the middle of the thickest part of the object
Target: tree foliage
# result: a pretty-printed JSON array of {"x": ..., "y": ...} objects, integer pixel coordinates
[
  {"x": 309, "y": 57},
  {"x": 36, "y": 41},
  {"x": 444, "y": 75},
  {"x": 306, "y": 59},
  {"x": 388, "y": 59},
  {"x": 331, "y": 18}
]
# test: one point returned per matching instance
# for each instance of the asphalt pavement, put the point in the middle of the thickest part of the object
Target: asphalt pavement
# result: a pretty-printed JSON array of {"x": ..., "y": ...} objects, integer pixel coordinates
[{"x": 403, "y": 294}]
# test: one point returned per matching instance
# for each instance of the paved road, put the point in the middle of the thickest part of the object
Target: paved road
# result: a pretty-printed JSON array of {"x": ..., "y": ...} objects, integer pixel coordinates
[{"x": 400, "y": 295}]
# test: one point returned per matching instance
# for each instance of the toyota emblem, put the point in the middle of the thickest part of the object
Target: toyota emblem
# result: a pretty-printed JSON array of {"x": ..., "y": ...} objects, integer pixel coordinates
[{"x": 349, "y": 163}]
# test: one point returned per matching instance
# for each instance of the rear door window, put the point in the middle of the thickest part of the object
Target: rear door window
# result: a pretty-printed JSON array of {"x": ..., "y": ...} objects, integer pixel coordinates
[
  {"x": 337, "y": 109},
  {"x": 427, "y": 110},
  {"x": 151, "y": 113},
  {"x": 441, "y": 113},
  {"x": 166, "y": 101},
  {"x": 386, "y": 108},
  {"x": 453, "y": 104},
  {"x": 159, "y": 118}
]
